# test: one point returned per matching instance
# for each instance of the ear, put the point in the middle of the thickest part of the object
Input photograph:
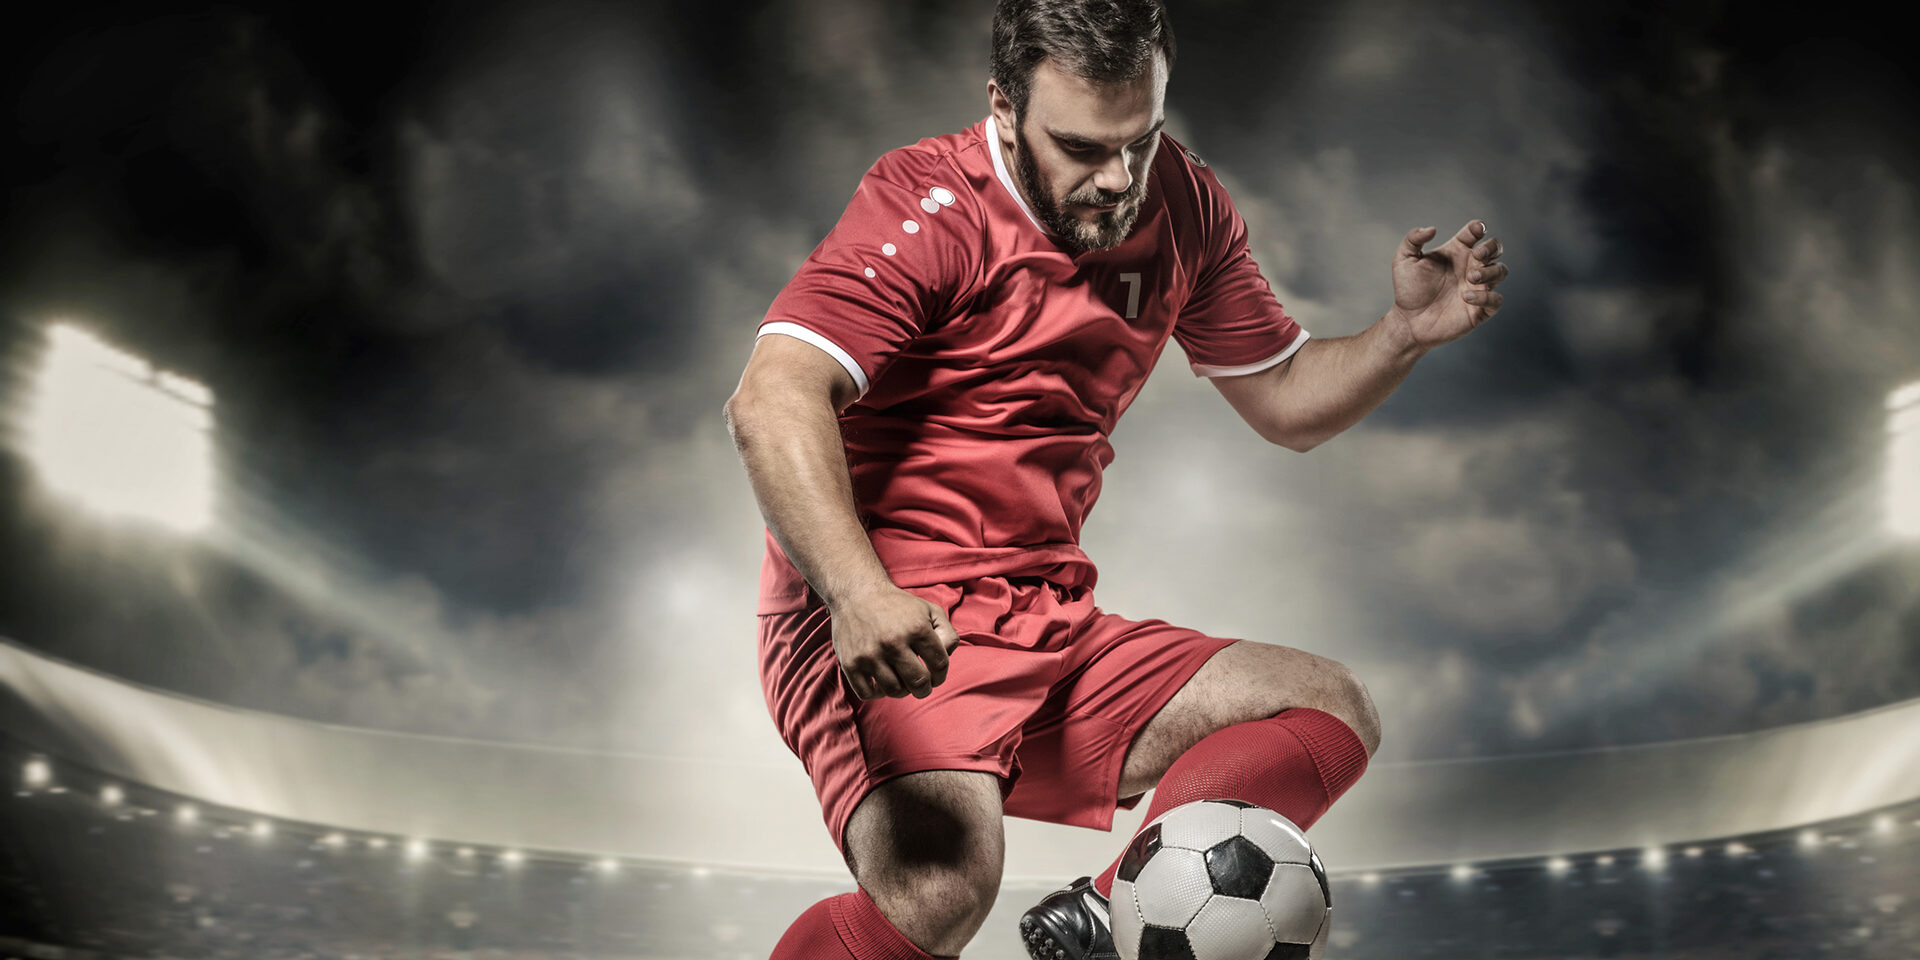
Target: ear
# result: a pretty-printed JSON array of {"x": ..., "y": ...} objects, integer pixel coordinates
[{"x": 1004, "y": 119}]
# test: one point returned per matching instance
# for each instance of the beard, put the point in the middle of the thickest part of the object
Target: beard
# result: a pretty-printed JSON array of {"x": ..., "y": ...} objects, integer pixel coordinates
[{"x": 1108, "y": 229}]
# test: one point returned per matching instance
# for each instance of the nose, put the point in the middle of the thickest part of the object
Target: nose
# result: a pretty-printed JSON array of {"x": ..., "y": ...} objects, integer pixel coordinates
[{"x": 1113, "y": 175}]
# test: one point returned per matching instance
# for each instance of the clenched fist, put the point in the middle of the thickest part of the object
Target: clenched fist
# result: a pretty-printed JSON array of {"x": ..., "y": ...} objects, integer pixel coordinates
[{"x": 891, "y": 643}]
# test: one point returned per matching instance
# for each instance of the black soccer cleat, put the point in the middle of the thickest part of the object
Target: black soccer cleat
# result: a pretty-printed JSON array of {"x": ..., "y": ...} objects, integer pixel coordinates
[{"x": 1070, "y": 924}]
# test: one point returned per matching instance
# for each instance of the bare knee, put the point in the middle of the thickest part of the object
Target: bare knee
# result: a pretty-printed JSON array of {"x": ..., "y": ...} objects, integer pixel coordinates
[
  {"x": 928, "y": 848},
  {"x": 1348, "y": 699}
]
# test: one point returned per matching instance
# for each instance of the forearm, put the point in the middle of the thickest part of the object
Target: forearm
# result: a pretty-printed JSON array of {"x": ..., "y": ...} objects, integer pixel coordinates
[
  {"x": 1332, "y": 384},
  {"x": 796, "y": 461}
]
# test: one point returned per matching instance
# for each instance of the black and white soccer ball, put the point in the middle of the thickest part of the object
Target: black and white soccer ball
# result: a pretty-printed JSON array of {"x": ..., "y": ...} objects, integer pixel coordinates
[{"x": 1220, "y": 880}]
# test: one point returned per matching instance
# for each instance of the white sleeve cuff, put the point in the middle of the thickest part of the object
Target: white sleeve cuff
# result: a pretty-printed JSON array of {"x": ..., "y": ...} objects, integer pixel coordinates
[
  {"x": 1204, "y": 370},
  {"x": 833, "y": 350}
]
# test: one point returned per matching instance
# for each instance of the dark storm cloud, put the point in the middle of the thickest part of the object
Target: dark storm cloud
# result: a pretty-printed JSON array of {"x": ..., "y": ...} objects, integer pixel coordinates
[{"x": 471, "y": 307}]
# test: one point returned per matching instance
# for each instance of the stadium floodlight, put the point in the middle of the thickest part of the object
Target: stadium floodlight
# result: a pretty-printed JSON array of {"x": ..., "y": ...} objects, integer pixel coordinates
[
  {"x": 262, "y": 830},
  {"x": 186, "y": 813},
  {"x": 37, "y": 773},
  {"x": 1558, "y": 865},
  {"x": 1370, "y": 878},
  {"x": 334, "y": 840},
  {"x": 1902, "y": 492},
  {"x": 1462, "y": 872},
  {"x": 107, "y": 430},
  {"x": 1738, "y": 849},
  {"x": 1883, "y": 824},
  {"x": 1605, "y": 859},
  {"x": 512, "y": 858},
  {"x": 1809, "y": 838},
  {"x": 609, "y": 865},
  {"x": 466, "y": 853},
  {"x": 1653, "y": 858},
  {"x": 416, "y": 849},
  {"x": 111, "y": 795},
  {"x": 1694, "y": 852},
  {"x": 376, "y": 843}
]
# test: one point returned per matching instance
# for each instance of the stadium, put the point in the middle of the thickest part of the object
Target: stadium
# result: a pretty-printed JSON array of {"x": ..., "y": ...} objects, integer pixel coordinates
[
  {"x": 379, "y": 577},
  {"x": 145, "y": 824}
]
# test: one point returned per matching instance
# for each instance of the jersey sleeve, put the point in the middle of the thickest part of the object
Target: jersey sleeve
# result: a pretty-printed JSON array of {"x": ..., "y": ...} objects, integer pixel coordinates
[
  {"x": 906, "y": 250},
  {"x": 1232, "y": 323}
]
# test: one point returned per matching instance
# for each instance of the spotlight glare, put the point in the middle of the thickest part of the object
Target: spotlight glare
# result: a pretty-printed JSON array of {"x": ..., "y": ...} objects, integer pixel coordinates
[
  {"x": 1738, "y": 849},
  {"x": 1654, "y": 858},
  {"x": 1901, "y": 494},
  {"x": 416, "y": 849},
  {"x": 1693, "y": 853},
  {"x": 334, "y": 840},
  {"x": 376, "y": 843},
  {"x": 1883, "y": 824},
  {"x": 512, "y": 858},
  {"x": 1558, "y": 865},
  {"x": 186, "y": 813},
  {"x": 609, "y": 865},
  {"x": 1369, "y": 878},
  {"x": 38, "y": 773},
  {"x": 107, "y": 430},
  {"x": 466, "y": 853},
  {"x": 1605, "y": 859},
  {"x": 1462, "y": 872},
  {"x": 262, "y": 829},
  {"x": 111, "y": 795},
  {"x": 1809, "y": 838}
]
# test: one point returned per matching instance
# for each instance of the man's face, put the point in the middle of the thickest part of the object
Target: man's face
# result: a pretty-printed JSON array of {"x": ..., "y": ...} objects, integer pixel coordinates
[{"x": 1081, "y": 152}]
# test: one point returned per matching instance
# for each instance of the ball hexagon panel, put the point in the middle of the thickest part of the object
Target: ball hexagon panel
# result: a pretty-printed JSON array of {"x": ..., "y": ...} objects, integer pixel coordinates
[
  {"x": 1164, "y": 943},
  {"x": 1199, "y": 825},
  {"x": 1172, "y": 887},
  {"x": 1238, "y": 868},
  {"x": 1275, "y": 834},
  {"x": 1228, "y": 928},
  {"x": 1290, "y": 951},
  {"x": 1145, "y": 844},
  {"x": 1124, "y": 911},
  {"x": 1294, "y": 903}
]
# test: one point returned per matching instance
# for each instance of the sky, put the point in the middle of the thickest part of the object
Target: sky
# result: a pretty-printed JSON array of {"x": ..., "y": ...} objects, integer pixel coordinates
[{"x": 471, "y": 283}]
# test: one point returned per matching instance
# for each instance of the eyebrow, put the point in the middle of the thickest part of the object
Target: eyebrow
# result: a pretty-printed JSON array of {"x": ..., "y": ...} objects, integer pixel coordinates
[{"x": 1079, "y": 139}]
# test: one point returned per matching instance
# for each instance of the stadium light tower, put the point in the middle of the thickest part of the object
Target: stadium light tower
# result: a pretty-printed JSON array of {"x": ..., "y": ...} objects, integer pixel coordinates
[
  {"x": 107, "y": 430},
  {"x": 1902, "y": 492}
]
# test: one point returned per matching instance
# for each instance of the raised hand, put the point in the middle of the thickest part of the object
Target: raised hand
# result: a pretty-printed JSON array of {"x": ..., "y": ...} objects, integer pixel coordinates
[{"x": 1443, "y": 293}]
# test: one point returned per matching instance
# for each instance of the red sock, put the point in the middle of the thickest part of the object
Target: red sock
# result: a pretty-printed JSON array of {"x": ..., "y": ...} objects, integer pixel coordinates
[
  {"x": 1296, "y": 763},
  {"x": 846, "y": 927}
]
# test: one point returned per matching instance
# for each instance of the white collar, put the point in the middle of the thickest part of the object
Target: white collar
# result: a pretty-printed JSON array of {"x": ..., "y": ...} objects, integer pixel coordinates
[{"x": 1006, "y": 179}]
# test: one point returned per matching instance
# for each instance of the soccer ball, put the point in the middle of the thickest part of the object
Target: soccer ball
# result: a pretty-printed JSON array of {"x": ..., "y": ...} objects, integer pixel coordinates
[{"x": 1220, "y": 880}]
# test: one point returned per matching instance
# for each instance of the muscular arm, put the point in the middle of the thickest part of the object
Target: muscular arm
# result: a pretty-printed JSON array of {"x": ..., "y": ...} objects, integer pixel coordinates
[
  {"x": 1325, "y": 387},
  {"x": 784, "y": 422},
  {"x": 784, "y": 418}
]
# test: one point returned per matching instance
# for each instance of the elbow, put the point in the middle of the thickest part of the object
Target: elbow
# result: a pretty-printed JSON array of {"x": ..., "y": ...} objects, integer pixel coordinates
[{"x": 1294, "y": 437}]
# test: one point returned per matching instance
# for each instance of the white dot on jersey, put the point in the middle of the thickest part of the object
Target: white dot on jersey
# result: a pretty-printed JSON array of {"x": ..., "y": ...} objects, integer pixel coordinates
[
  {"x": 910, "y": 227},
  {"x": 929, "y": 205},
  {"x": 888, "y": 249},
  {"x": 943, "y": 195},
  {"x": 869, "y": 273}
]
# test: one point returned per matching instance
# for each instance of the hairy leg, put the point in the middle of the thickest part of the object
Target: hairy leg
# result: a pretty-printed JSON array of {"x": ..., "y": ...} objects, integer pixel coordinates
[
  {"x": 928, "y": 848},
  {"x": 1243, "y": 682}
]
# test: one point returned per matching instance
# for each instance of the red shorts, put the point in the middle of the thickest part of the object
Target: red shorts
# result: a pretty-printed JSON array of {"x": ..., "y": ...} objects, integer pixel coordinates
[{"x": 1045, "y": 691}]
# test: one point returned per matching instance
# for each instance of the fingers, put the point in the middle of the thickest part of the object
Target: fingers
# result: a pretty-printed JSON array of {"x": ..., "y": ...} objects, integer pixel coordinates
[
  {"x": 1471, "y": 233},
  {"x": 1415, "y": 239},
  {"x": 1490, "y": 299},
  {"x": 1488, "y": 276}
]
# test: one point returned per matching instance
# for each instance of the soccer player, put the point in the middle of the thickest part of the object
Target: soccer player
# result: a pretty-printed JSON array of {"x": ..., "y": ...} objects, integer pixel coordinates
[{"x": 924, "y": 420}]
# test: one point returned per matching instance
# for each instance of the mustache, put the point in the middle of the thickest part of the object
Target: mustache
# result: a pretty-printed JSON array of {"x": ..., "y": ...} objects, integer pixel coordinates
[{"x": 1102, "y": 197}]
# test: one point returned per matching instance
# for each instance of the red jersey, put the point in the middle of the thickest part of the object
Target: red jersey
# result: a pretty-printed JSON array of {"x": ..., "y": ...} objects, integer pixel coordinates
[{"x": 994, "y": 363}]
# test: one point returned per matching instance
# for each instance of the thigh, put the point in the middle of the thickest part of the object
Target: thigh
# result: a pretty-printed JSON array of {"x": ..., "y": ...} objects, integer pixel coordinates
[
  {"x": 1245, "y": 681},
  {"x": 1071, "y": 752}
]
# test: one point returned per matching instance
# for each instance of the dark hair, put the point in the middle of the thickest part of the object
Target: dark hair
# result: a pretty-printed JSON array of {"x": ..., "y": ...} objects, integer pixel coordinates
[{"x": 1103, "y": 41}]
